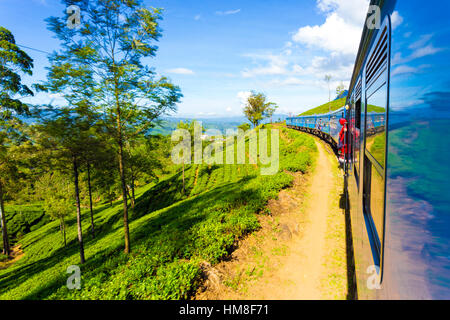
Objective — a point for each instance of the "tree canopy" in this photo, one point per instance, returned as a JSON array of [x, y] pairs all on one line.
[[258, 108]]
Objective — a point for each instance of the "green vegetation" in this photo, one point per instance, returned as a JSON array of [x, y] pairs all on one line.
[[336, 105], [325, 108], [14, 64], [173, 233], [377, 147], [87, 182], [257, 108], [372, 108], [22, 219], [244, 127]]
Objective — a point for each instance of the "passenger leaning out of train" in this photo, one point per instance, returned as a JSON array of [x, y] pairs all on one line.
[[342, 147]]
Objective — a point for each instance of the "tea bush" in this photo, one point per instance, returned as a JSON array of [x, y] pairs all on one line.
[[171, 233]]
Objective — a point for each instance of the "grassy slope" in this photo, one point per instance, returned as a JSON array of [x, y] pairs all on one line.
[[336, 105], [171, 234], [22, 219]]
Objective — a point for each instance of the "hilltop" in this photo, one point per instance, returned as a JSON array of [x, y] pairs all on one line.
[[336, 105], [325, 108]]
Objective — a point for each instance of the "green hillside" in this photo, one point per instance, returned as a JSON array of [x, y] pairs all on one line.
[[336, 105], [22, 219], [172, 233], [325, 108]]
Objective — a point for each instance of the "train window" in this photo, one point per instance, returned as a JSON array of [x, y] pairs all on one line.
[[356, 138], [373, 205], [358, 114], [374, 163], [375, 138], [376, 125]]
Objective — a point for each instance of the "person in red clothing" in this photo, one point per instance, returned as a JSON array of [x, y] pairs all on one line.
[[342, 146]]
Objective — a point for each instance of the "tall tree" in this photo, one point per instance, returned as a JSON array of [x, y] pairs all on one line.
[[74, 81], [13, 63], [258, 108], [113, 38], [327, 79], [190, 127], [142, 161], [66, 131], [270, 111], [54, 190]]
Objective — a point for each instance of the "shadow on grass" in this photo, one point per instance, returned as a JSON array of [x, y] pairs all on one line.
[[179, 219]]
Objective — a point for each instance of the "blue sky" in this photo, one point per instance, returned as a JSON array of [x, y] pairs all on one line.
[[218, 51]]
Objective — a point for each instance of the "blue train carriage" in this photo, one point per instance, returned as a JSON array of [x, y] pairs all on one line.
[[398, 162], [326, 126]]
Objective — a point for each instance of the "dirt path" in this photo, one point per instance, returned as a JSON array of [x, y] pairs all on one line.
[[16, 254], [299, 253], [304, 265]]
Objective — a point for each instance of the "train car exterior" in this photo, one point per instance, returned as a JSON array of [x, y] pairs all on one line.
[[326, 126], [397, 169]]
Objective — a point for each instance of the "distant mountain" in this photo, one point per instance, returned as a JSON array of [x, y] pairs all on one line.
[[220, 123]]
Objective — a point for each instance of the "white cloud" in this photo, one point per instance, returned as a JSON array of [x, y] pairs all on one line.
[[351, 11], [243, 97], [291, 81], [197, 17], [425, 51], [403, 70], [228, 109], [291, 73], [342, 29], [276, 65], [339, 66], [299, 66], [181, 71], [420, 48], [335, 35], [229, 12], [423, 40], [396, 19]]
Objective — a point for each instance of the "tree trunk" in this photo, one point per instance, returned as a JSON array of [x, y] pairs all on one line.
[[133, 198], [62, 227], [77, 198], [184, 190], [90, 199], [64, 232], [6, 248], [122, 171]]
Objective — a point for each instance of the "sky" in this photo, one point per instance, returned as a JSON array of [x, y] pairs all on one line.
[[217, 52]]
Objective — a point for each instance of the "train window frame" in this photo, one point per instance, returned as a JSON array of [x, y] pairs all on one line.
[[357, 139], [375, 88], [379, 80], [358, 113]]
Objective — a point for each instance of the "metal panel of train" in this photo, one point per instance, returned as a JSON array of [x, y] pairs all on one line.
[[397, 168]]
